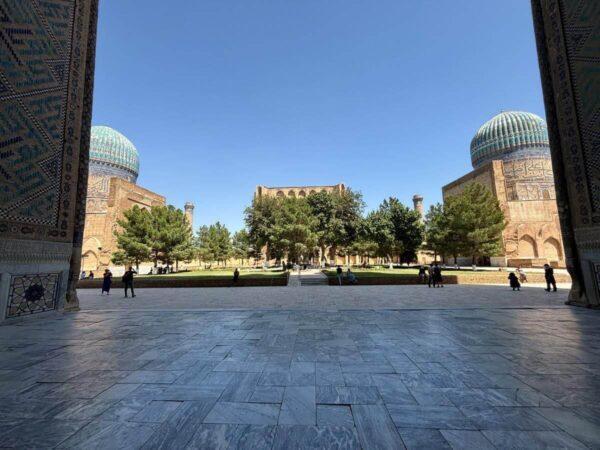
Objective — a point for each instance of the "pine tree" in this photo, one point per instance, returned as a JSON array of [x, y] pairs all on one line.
[[132, 237], [475, 221], [241, 246]]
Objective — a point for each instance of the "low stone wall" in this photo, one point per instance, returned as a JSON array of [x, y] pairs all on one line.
[[371, 281], [466, 277], [186, 282], [482, 277]]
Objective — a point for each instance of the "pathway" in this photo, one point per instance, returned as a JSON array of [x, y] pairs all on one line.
[[317, 367]]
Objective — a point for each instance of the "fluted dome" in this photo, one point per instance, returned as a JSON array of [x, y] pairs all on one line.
[[113, 154], [510, 135]]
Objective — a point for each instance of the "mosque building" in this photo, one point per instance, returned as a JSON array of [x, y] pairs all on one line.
[[112, 189], [510, 155], [296, 191]]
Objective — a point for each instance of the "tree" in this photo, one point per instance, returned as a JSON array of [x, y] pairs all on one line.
[[159, 234], [337, 217], [260, 220], [363, 248], [378, 228], [132, 238], [242, 248], [171, 235], [475, 221], [214, 243], [436, 230], [396, 229], [293, 232]]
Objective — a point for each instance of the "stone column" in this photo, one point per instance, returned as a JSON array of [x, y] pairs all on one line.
[[45, 112], [567, 33]]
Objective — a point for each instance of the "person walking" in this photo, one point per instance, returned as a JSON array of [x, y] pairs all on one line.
[[430, 276], [236, 275], [422, 274], [339, 272], [106, 282], [437, 276], [514, 281], [550, 280], [522, 275], [128, 281]]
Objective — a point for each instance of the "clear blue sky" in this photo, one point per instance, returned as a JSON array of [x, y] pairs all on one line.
[[221, 95]]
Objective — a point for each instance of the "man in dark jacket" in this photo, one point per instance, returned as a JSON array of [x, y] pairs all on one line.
[[549, 275], [128, 281], [339, 272]]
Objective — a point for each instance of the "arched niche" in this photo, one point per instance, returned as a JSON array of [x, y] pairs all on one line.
[[552, 249], [527, 247]]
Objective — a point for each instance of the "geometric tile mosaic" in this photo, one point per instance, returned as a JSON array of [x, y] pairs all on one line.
[[30, 294], [35, 55]]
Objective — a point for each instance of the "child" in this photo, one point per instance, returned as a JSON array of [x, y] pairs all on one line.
[[514, 282]]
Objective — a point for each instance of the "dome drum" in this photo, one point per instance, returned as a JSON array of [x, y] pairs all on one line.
[[112, 154]]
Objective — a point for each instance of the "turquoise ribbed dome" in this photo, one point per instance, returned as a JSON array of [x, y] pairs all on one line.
[[113, 154], [510, 135]]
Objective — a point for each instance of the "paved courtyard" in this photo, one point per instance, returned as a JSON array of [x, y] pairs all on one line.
[[310, 367]]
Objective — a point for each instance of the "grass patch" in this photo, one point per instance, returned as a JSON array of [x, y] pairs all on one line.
[[214, 275], [377, 273]]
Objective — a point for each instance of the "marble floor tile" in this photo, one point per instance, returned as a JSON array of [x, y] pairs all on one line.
[[267, 394], [244, 413], [375, 427], [240, 388], [334, 415], [40, 433], [438, 417], [114, 435], [532, 439], [415, 439], [152, 376], [181, 393], [577, 426], [239, 366], [329, 374], [347, 395], [156, 411], [467, 440], [508, 418], [181, 426], [298, 407], [303, 436]]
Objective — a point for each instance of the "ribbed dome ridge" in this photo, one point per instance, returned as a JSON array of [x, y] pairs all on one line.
[[509, 135], [113, 154]]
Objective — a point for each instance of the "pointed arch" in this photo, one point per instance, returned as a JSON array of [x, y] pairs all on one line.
[[527, 247], [552, 249]]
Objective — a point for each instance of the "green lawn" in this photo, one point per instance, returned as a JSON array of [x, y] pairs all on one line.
[[376, 273], [216, 274]]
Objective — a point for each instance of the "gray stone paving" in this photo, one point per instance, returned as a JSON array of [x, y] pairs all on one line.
[[481, 377]]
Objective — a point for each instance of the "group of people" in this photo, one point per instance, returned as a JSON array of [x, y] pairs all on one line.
[[515, 279], [127, 280], [352, 279], [431, 275]]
